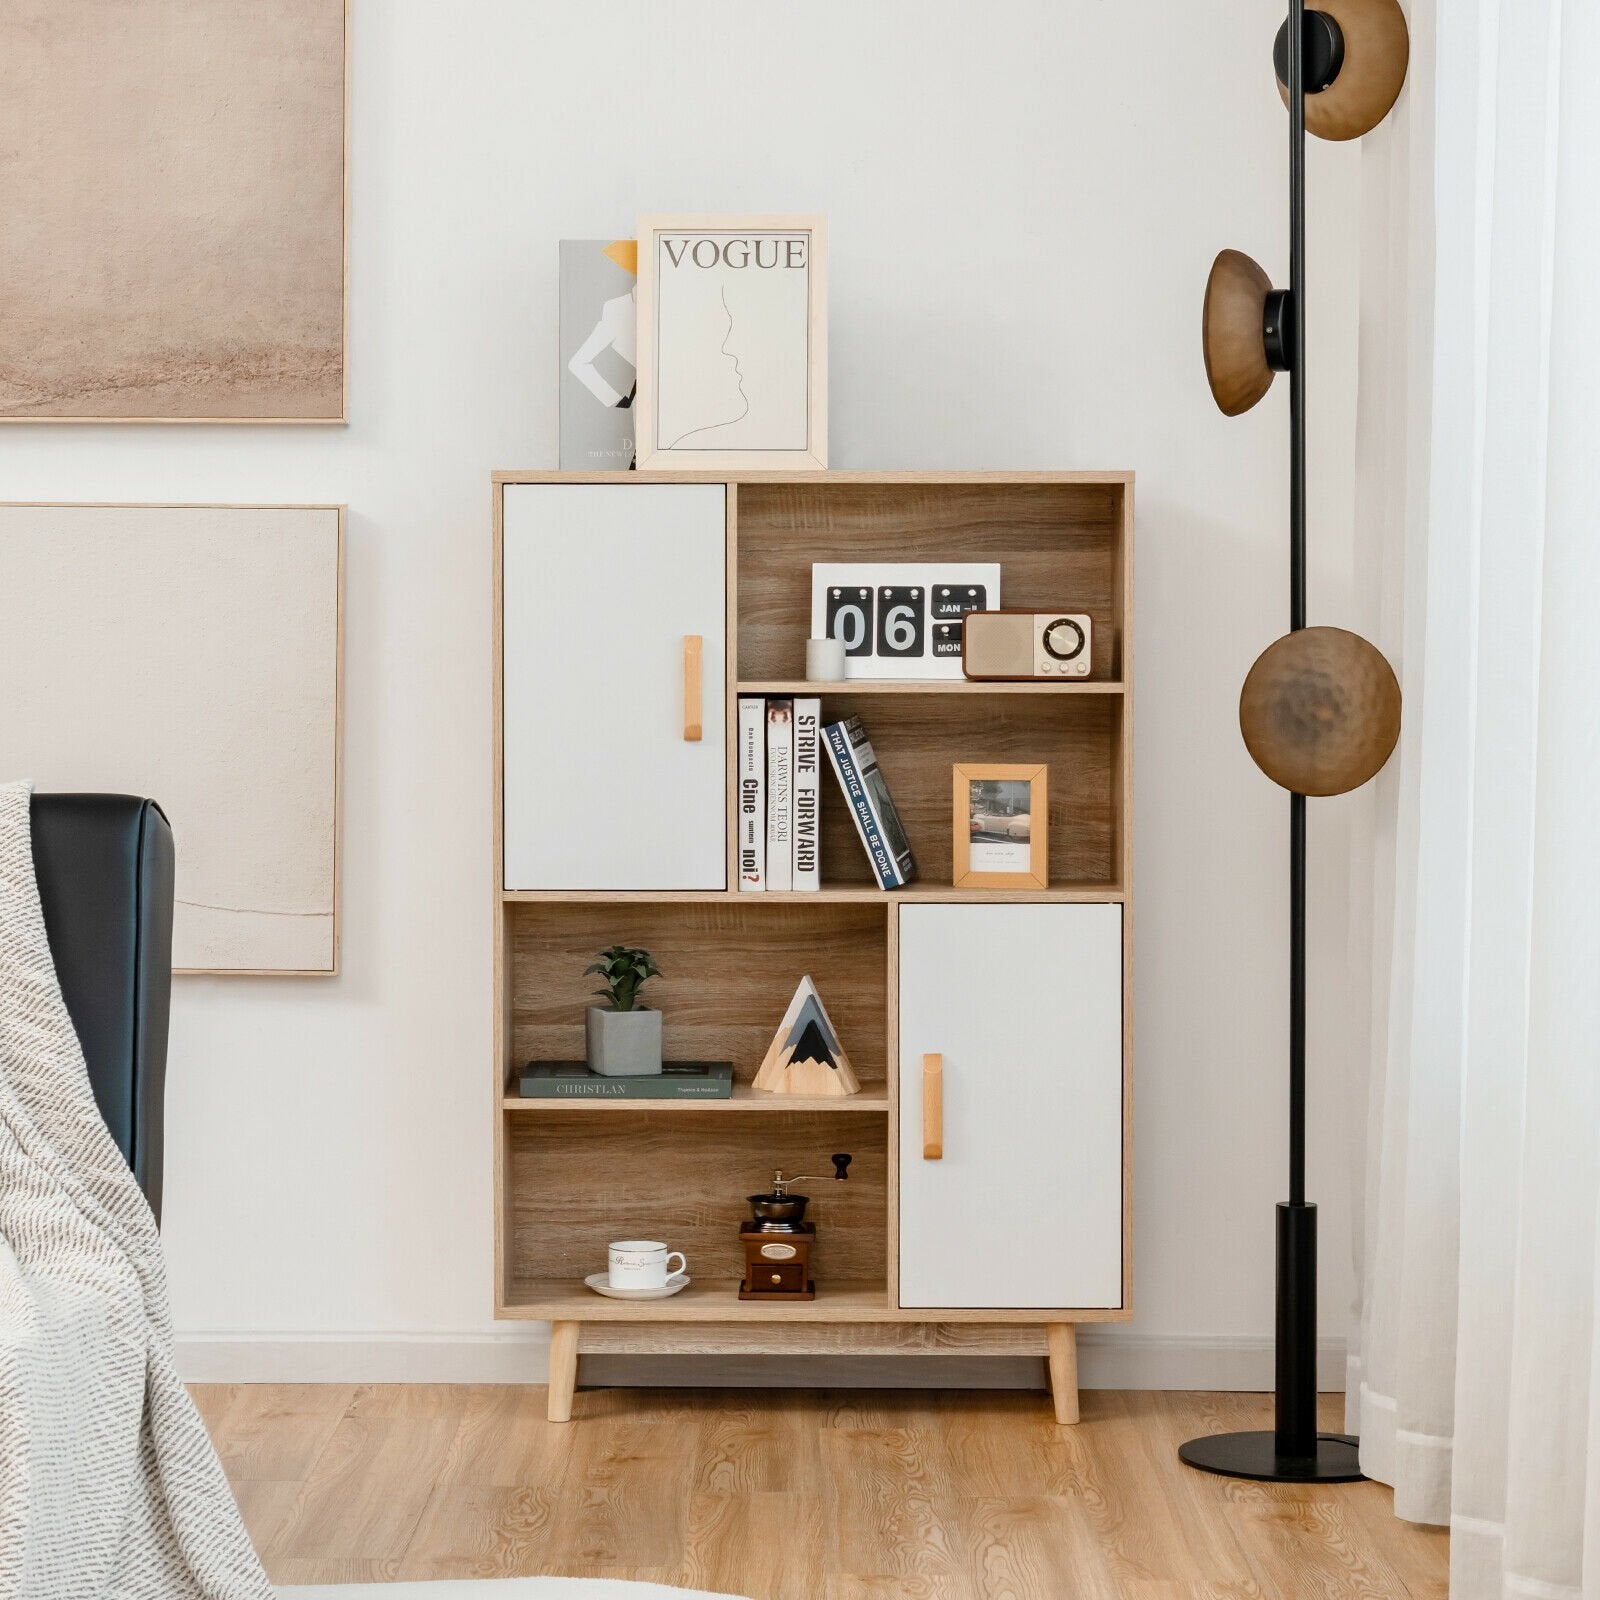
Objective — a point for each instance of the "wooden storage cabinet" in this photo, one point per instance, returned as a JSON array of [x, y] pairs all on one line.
[[612, 827]]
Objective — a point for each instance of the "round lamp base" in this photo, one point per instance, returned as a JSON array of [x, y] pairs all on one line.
[[1255, 1455]]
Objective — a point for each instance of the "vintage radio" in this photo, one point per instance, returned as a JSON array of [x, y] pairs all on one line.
[[1006, 645]]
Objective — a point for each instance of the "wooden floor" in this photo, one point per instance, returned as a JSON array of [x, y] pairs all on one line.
[[784, 1495]]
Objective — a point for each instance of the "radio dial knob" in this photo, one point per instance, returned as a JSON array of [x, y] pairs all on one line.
[[1063, 639]]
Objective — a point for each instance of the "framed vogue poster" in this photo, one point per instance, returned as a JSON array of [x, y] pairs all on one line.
[[732, 342]]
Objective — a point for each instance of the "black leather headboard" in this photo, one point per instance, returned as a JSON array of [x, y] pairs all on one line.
[[105, 869]]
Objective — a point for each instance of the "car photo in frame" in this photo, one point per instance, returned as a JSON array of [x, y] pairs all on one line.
[[732, 343], [1001, 820]]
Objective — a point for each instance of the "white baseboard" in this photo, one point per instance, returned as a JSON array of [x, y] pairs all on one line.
[[1109, 1358], [1122, 1358], [518, 1355]]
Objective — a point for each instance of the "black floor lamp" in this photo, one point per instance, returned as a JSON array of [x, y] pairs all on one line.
[[1320, 709]]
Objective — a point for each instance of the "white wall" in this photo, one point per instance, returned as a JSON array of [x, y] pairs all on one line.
[[1024, 201]]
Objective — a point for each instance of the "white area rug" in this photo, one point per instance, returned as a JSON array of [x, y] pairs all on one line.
[[503, 1589]]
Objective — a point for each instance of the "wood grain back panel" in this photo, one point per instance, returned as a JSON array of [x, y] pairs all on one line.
[[728, 973], [582, 1180], [1058, 545], [918, 738]]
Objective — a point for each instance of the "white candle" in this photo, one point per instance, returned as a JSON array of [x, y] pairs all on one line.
[[824, 661]]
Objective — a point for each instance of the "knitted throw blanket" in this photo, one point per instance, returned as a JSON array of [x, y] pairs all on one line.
[[109, 1487]]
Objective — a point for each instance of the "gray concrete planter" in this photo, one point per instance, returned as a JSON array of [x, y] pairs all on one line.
[[624, 1044]]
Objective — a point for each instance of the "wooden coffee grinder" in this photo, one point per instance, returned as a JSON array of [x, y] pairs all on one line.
[[777, 1240]]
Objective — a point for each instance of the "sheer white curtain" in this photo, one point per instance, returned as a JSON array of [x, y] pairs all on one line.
[[1475, 1383]]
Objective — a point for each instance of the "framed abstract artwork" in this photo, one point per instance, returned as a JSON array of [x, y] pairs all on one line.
[[192, 654], [172, 243], [732, 342]]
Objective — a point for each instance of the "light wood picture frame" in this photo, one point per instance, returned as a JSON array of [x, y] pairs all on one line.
[[194, 654], [209, 285], [732, 342], [1001, 835]]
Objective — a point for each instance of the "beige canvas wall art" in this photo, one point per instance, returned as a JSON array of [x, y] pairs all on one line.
[[191, 654], [172, 237]]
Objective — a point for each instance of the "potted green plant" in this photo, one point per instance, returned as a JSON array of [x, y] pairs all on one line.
[[624, 1036]]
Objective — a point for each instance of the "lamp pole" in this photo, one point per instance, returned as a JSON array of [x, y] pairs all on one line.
[[1294, 1451], [1295, 1399]]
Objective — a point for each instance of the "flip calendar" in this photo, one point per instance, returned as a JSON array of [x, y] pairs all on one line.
[[900, 619]]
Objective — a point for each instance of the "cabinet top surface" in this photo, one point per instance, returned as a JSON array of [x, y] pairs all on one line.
[[814, 477]]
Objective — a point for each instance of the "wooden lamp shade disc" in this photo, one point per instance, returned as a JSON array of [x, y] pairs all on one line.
[[1320, 711], [1377, 48], [1232, 332]]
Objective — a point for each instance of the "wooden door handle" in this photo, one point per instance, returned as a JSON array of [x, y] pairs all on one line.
[[693, 696], [933, 1108]]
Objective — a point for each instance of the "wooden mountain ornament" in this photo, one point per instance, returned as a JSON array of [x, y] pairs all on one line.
[[805, 1056]]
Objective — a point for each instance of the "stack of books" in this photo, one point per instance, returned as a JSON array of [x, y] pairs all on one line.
[[781, 744], [677, 1080]]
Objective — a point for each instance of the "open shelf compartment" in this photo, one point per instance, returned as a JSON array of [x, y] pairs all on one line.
[[919, 739], [576, 1183], [729, 967], [1059, 546]]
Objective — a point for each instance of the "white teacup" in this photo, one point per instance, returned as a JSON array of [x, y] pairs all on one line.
[[643, 1264]]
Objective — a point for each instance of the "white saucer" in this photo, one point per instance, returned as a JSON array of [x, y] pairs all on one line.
[[600, 1283]]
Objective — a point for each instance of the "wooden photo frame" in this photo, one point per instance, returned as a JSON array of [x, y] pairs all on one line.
[[732, 343], [1013, 850]]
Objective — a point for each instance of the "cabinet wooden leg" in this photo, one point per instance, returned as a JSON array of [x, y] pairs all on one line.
[[1063, 1347], [563, 1369]]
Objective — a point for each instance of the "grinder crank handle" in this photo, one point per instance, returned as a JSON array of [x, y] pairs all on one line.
[[780, 1183]]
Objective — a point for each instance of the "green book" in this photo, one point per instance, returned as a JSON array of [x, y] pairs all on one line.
[[677, 1080]]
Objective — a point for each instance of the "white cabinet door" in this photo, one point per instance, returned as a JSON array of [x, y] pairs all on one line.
[[603, 583], [1024, 1005]]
